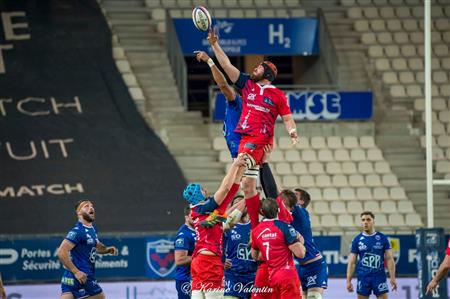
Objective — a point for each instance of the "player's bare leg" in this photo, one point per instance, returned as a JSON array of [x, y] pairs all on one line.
[[362, 297], [67, 296], [249, 184], [383, 296]]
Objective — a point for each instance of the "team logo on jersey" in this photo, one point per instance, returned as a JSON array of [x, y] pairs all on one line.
[[160, 257], [377, 237], [395, 248], [268, 101]]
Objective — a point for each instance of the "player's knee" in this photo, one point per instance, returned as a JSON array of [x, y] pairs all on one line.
[[314, 295]]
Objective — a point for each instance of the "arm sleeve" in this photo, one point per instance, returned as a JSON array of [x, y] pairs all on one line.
[[73, 236], [253, 238], [354, 248], [268, 181], [228, 198], [387, 244], [283, 106], [283, 213], [207, 207], [253, 206], [447, 252], [181, 242], [289, 233], [242, 80]]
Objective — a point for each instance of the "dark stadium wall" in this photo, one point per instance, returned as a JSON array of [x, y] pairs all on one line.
[[69, 130]]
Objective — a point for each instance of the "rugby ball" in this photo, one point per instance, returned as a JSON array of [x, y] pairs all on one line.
[[201, 18]]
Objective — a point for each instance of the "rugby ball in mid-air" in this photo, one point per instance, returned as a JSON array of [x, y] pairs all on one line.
[[201, 18]]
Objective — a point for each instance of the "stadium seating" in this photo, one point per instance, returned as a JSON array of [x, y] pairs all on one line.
[[394, 36]]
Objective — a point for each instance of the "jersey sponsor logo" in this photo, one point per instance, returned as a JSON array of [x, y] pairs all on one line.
[[68, 281], [395, 248], [362, 246], [259, 108], [267, 234], [293, 232], [93, 255], [235, 235], [370, 260], [378, 246], [268, 101], [383, 287], [71, 235], [311, 280], [160, 257], [244, 253], [251, 96], [179, 242], [250, 145]]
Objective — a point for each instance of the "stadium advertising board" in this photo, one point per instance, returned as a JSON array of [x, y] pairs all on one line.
[[407, 289], [153, 257], [318, 105], [277, 36]]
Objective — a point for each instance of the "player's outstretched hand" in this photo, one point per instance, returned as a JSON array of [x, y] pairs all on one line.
[[240, 160], [431, 286], [350, 286], [112, 250], [227, 264], [294, 137], [201, 56], [393, 284], [81, 277], [212, 36]]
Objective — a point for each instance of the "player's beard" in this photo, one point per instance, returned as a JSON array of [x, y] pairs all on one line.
[[256, 78], [88, 217]]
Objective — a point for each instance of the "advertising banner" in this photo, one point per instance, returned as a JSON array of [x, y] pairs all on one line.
[[319, 105], [153, 257], [277, 36]]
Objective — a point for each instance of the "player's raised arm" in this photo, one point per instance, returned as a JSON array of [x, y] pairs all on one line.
[[233, 176], [350, 269], [219, 78], [225, 63], [63, 254]]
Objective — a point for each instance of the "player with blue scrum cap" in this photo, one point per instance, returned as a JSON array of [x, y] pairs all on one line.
[[373, 249], [184, 247], [77, 253]]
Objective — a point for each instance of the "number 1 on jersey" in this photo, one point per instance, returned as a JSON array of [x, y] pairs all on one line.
[[266, 244]]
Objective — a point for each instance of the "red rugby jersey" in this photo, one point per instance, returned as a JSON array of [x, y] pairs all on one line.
[[261, 105], [272, 238], [210, 238]]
